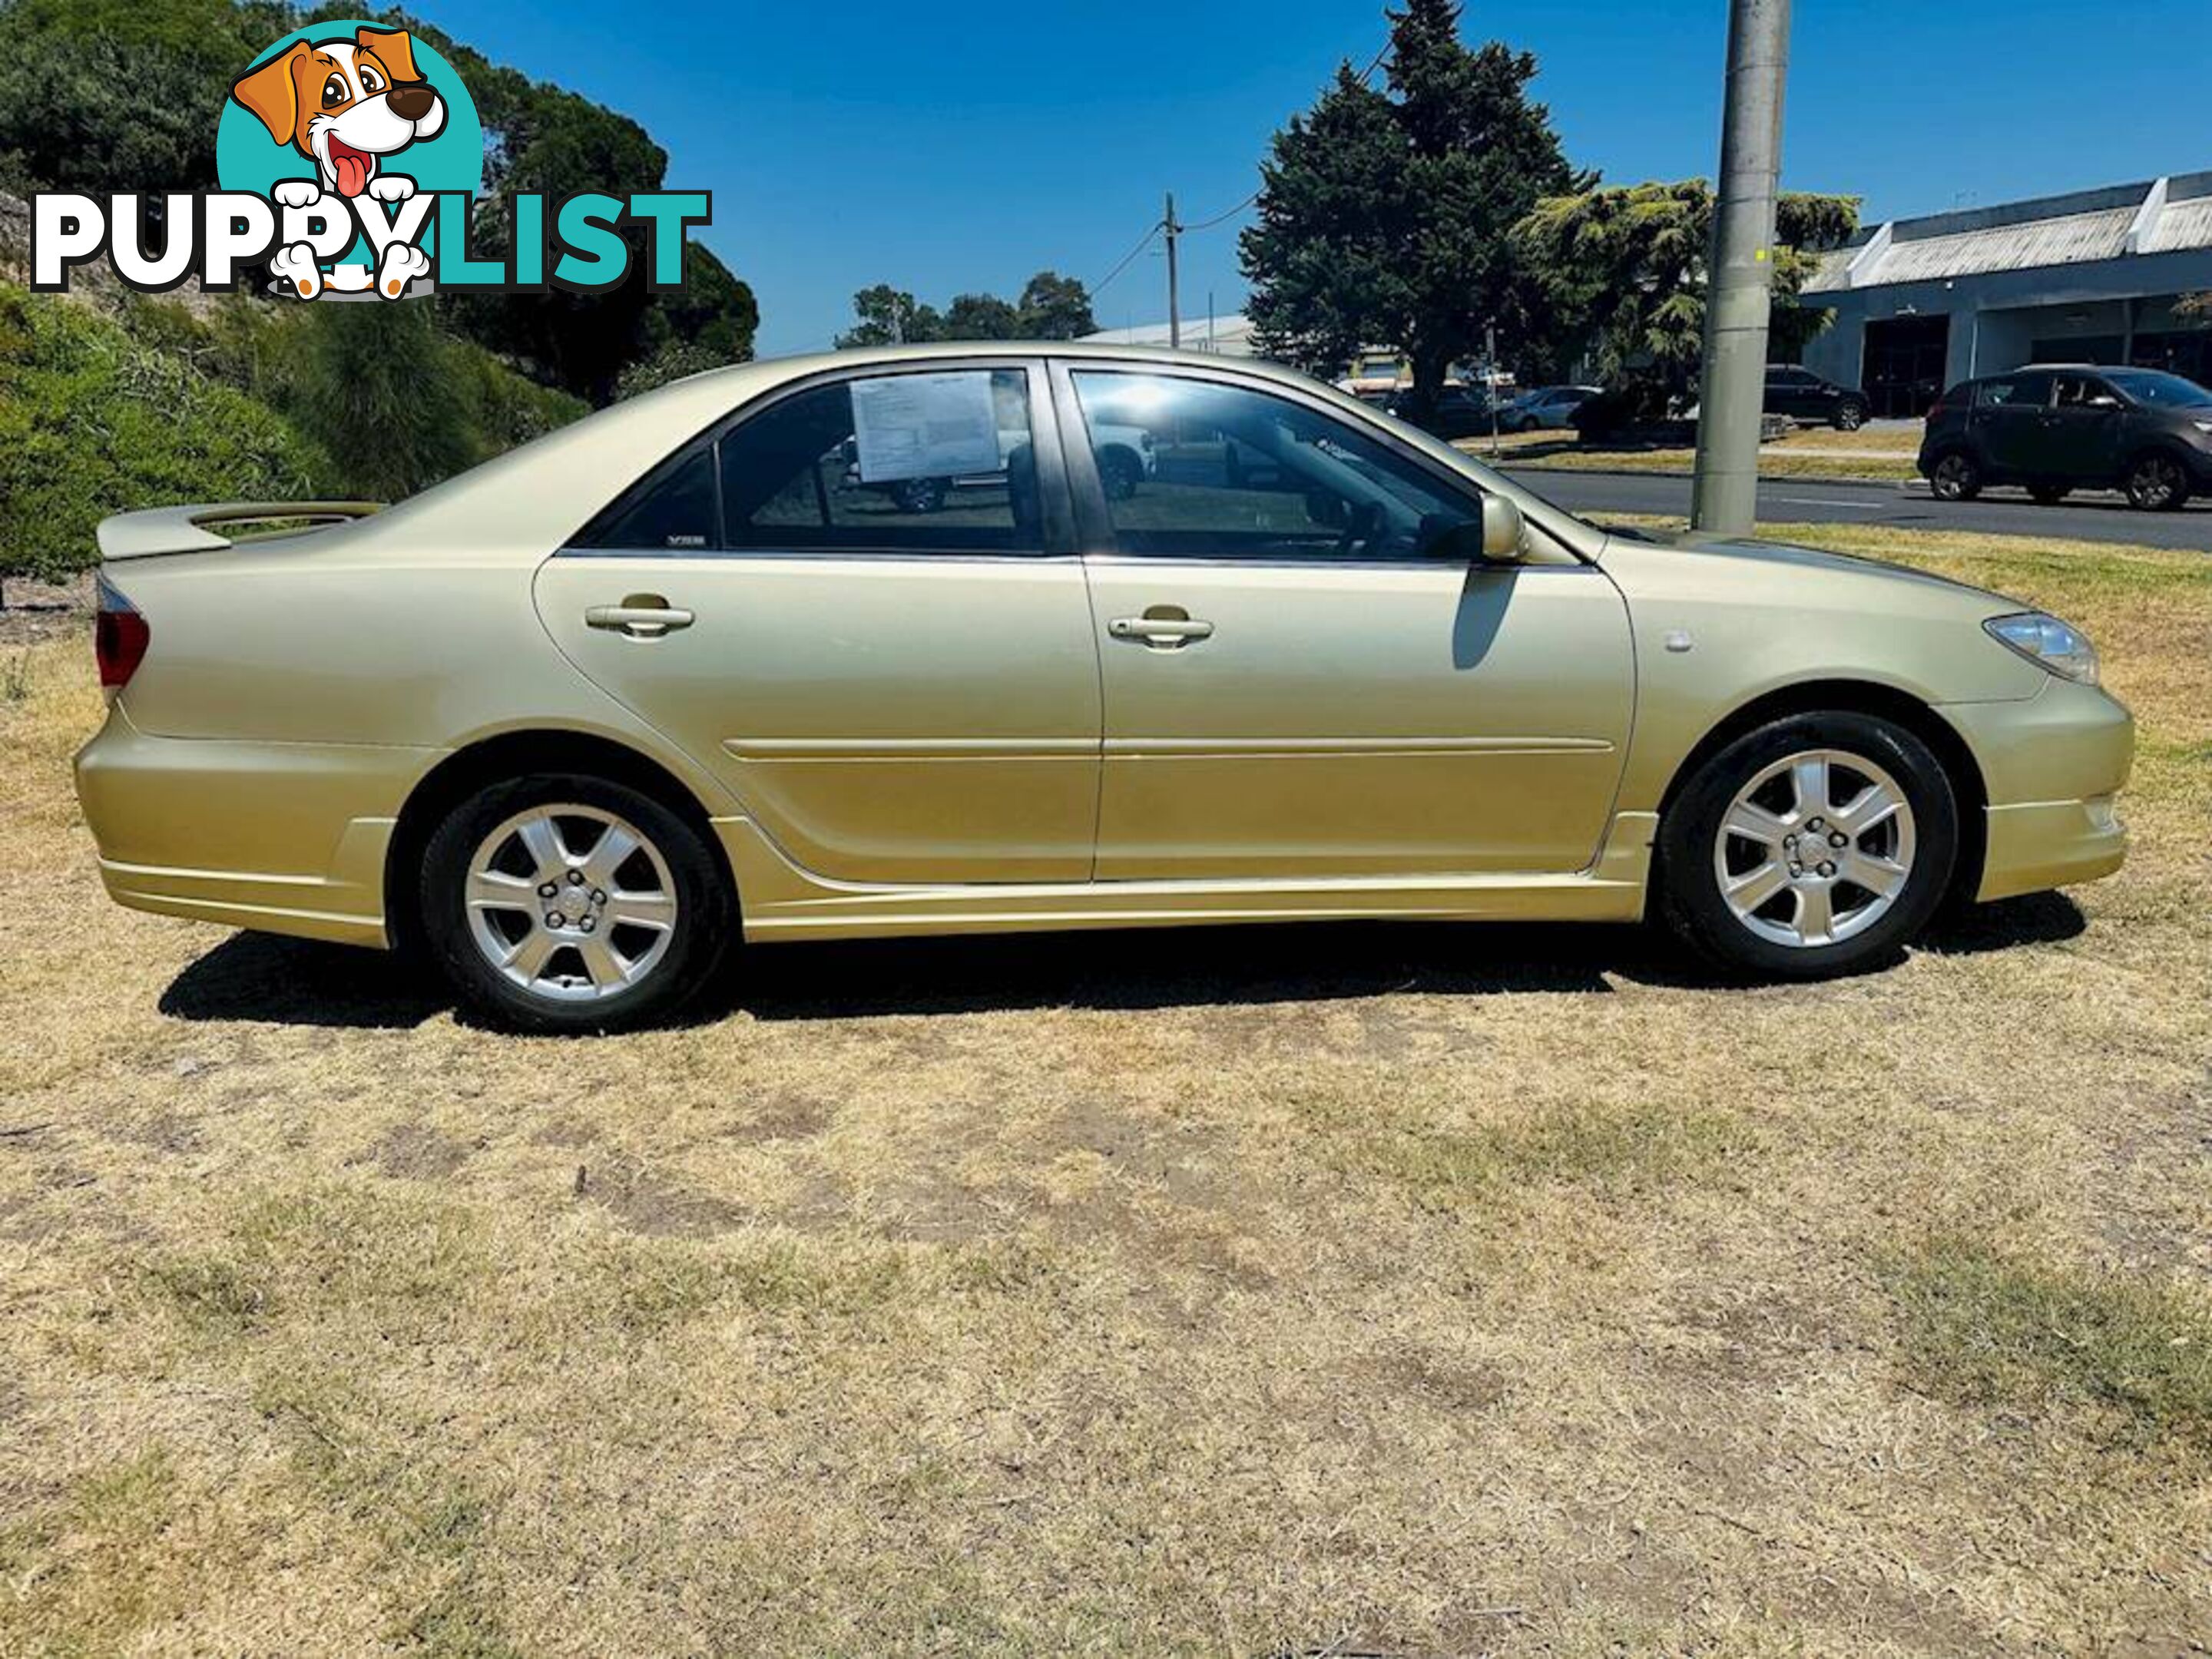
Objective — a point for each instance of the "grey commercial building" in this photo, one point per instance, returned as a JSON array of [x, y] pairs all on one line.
[[2095, 277]]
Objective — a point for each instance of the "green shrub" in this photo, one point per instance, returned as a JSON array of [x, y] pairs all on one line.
[[94, 421], [505, 408]]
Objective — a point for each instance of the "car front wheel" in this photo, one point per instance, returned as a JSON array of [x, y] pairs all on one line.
[[2157, 484], [566, 903], [1812, 847], [1849, 415]]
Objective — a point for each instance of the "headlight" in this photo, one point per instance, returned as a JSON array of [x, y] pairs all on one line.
[[2049, 641], [2201, 426]]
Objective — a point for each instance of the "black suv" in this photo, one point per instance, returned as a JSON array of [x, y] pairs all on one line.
[[2061, 429], [1803, 394]]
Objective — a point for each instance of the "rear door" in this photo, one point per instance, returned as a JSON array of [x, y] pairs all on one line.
[[1294, 686], [859, 605], [2007, 423]]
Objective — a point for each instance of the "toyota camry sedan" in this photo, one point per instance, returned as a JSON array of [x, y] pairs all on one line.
[[697, 669]]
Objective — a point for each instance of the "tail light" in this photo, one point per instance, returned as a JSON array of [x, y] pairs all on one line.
[[119, 639]]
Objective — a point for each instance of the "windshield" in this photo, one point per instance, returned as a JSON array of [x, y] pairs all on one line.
[[2159, 389]]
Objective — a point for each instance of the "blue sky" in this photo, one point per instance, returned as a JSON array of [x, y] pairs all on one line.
[[965, 148]]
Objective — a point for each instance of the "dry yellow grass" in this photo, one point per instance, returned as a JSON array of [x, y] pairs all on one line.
[[1431, 1291]]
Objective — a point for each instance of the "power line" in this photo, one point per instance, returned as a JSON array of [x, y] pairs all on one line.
[[1143, 242], [1366, 75]]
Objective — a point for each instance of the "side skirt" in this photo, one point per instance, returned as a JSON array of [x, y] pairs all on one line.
[[782, 902]]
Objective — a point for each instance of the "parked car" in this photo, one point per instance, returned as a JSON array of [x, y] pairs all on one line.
[[1545, 406], [1804, 396], [2060, 429], [573, 724], [1458, 412]]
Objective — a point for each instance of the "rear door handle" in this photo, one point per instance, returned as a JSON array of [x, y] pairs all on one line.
[[642, 617], [1166, 631]]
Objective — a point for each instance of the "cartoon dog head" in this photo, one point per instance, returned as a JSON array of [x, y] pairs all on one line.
[[344, 103]]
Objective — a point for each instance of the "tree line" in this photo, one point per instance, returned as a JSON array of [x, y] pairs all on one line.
[[1440, 207], [1051, 307]]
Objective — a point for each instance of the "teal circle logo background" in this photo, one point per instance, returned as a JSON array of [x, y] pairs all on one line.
[[248, 159]]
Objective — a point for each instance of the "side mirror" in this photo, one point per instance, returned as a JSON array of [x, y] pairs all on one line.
[[1502, 531], [1495, 539]]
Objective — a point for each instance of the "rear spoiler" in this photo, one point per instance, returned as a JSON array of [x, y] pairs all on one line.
[[196, 529]]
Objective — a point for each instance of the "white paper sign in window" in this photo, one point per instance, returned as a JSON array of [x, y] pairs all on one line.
[[925, 426]]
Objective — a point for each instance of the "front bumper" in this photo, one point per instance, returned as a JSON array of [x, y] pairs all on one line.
[[2052, 765], [284, 837]]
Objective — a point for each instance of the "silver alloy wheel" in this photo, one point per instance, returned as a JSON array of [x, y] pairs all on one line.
[[571, 902], [1814, 849], [1952, 477]]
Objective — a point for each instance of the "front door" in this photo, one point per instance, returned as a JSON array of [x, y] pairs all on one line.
[[860, 607], [1296, 686], [2078, 440]]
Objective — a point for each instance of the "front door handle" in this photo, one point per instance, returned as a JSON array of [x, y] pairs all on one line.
[[1165, 627], [639, 616]]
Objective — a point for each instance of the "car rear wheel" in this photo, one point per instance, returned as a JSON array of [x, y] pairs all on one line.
[[559, 904], [2046, 493], [1850, 415], [1119, 474], [2157, 484], [1813, 846], [919, 495], [1955, 478]]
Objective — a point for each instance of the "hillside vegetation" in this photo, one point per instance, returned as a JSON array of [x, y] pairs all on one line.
[[109, 400]]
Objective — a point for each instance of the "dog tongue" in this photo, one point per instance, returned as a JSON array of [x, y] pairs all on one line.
[[352, 170]]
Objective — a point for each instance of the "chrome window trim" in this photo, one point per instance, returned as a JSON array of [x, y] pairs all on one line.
[[817, 555]]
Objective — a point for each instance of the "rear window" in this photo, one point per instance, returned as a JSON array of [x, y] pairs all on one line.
[[914, 461], [2030, 391]]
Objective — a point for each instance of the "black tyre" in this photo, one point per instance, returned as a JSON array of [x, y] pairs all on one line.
[[1814, 846], [2046, 493], [558, 903], [1956, 476], [919, 495], [1850, 415], [2157, 483], [1119, 474]]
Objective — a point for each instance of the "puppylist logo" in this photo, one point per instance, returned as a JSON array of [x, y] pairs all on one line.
[[350, 155]]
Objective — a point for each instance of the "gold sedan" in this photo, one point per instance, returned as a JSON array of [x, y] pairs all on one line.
[[938, 640]]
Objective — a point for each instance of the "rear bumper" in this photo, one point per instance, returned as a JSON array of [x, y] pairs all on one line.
[[2052, 766], [284, 838]]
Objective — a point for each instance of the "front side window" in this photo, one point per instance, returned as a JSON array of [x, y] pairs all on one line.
[[1224, 472], [2078, 391]]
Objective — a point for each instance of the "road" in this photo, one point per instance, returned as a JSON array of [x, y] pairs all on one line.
[[1908, 506]]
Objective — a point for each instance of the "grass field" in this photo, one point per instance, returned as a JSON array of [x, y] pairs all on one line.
[[1425, 1290], [1805, 452]]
